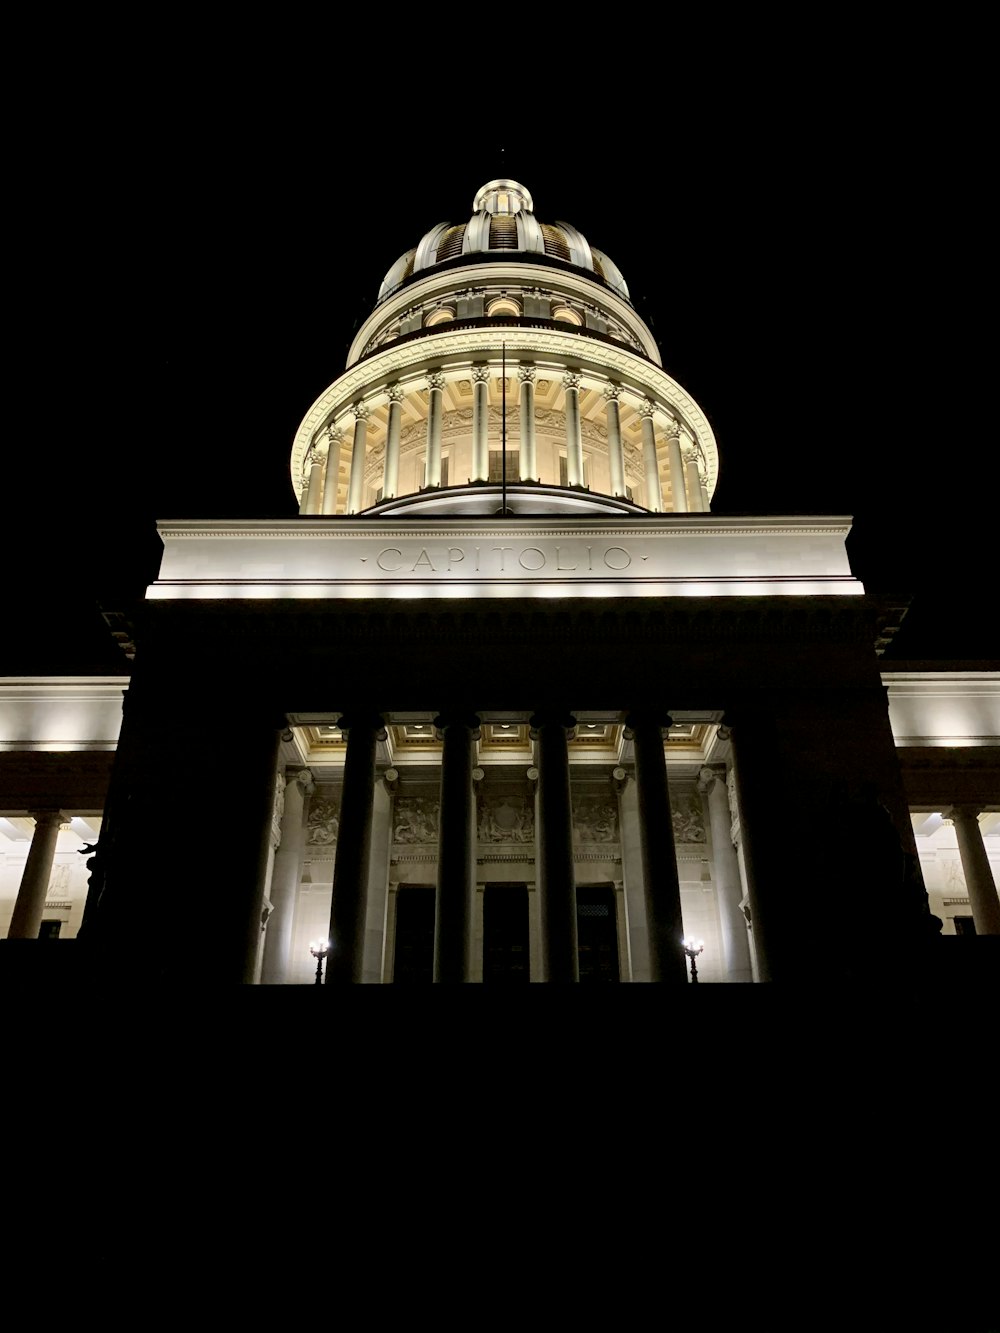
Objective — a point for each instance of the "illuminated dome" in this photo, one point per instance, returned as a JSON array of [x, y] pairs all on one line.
[[503, 366], [503, 220]]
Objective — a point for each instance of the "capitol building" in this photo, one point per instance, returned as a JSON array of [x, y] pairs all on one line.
[[506, 702]]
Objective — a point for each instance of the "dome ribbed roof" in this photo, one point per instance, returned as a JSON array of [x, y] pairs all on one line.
[[503, 221]]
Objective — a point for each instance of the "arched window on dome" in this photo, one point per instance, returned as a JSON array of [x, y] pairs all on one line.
[[503, 305], [444, 314], [567, 314]]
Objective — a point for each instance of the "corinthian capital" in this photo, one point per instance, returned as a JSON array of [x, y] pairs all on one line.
[[691, 455], [612, 393], [481, 374], [435, 380], [646, 409], [526, 374], [672, 431], [361, 411], [395, 394], [571, 379]]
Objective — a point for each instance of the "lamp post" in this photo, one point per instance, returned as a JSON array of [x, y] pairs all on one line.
[[693, 948], [319, 950]]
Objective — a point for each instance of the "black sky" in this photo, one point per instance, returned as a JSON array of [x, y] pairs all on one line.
[[207, 246]]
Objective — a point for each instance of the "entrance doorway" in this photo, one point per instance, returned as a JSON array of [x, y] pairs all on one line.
[[505, 933], [597, 933], [413, 959]]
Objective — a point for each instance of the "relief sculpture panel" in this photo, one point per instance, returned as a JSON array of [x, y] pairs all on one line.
[[595, 819], [323, 820], [415, 819], [506, 819], [688, 819]]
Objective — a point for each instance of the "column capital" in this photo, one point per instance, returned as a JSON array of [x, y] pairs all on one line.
[[709, 775], [646, 409], [954, 812], [481, 374], [612, 393], [435, 380], [317, 452], [394, 393], [691, 455], [548, 718], [333, 434], [42, 817], [361, 411], [304, 778], [571, 379], [459, 719], [363, 720], [526, 374], [640, 719], [672, 430]]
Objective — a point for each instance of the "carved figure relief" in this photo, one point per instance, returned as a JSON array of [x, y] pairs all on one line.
[[688, 819], [506, 819], [594, 820], [323, 822], [416, 819]]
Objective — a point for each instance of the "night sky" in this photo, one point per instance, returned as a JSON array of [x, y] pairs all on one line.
[[202, 267]]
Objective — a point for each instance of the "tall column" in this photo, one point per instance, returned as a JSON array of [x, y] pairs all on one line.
[[726, 874], [616, 459], [432, 467], [456, 884], [673, 434], [659, 860], [345, 962], [693, 480], [390, 479], [650, 466], [30, 905], [285, 880], [528, 467], [480, 423], [332, 480], [574, 439], [554, 832], [356, 485], [976, 867], [314, 487]]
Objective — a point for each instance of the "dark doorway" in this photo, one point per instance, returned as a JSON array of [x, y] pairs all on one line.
[[413, 958], [597, 932], [505, 933], [49, 930]]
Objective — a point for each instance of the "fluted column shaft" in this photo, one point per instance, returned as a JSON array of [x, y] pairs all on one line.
[[456, 884], [390, 477], [432, 466], [527, 466], [616, 458], [332, 476], [574, 438], [480, 423], [983, 898], [659, 859], [285, 878], [30, 904], [676, 469], [345, 962], [650, 466], [312, 498], [555, 869], [726, 874], [356, 485], [693, 480]]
